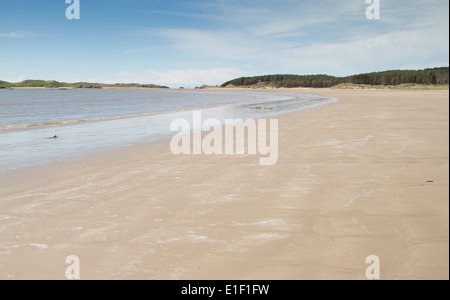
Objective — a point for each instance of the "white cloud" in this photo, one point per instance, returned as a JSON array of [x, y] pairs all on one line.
[[174, 78], [195, 77], [222, 44], [120, 77], [18, 35], [339, 39], [402, 49], [302, 16]]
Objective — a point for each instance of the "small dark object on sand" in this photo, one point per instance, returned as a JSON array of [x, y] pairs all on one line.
[[430, 181], [53, 138]]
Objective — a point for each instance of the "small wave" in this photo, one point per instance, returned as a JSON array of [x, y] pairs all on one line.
[[95, 119], [77, 121], [98, 119]]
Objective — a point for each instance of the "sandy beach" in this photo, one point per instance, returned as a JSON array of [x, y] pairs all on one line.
[[367, 175]]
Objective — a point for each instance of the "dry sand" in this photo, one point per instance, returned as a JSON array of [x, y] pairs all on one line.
[[353, 180]]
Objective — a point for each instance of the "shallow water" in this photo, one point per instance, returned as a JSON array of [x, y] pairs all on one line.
[[90, 120]]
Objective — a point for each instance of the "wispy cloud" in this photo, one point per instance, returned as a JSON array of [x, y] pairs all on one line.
[[380, 52], [174, 78], [320, 37], [225, 44], [18, 35]]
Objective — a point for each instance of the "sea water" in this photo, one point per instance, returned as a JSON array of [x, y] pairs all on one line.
[[91, 120]]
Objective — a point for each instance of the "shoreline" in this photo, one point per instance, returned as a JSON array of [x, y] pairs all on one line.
[[62, 128], [72, 88], [94, 154], [351, 181], [250, 89]]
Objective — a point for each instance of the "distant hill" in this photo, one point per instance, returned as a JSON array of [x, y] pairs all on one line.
[[79, 85], [435, 76]]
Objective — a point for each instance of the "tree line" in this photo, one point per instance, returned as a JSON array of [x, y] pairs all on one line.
[[435, 76]]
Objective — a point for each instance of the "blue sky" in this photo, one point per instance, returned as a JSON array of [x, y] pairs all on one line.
[[192, 42]]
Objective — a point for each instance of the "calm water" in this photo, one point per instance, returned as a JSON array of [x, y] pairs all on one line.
[[90, 120]]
